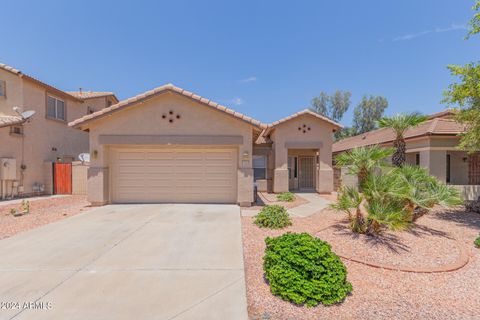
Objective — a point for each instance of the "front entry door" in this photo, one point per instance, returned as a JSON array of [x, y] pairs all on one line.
[[306, 172]]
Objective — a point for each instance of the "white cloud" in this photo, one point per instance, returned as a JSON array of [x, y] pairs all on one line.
[[453, 27], [236, 101], [249, 79]]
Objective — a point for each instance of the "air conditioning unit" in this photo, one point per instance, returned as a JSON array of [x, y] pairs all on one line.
[[8, 169]]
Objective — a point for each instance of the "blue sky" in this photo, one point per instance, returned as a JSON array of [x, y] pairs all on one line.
[[266, 59]]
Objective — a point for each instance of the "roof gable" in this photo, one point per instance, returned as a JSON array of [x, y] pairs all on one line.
[[306, 112], [155, 92]]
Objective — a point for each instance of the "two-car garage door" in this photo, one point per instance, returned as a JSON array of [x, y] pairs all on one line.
[[195, 175]]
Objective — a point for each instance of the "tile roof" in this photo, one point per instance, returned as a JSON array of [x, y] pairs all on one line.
[[442, 114], [91, 94], [71, 94], [6, 121], [152, 93], [435, 126], [35, 80]]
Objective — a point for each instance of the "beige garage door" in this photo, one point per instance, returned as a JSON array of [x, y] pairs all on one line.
[[174, 175]]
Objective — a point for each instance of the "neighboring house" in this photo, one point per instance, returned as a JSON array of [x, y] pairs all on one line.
[[433, 145], [171, 145], [45, 137]]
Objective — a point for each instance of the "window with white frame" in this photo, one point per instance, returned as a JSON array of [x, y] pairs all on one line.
[[55, 108], [259, 167], [3, 88]]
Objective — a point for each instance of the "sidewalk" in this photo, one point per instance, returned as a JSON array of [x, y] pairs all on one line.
[[316, 202]]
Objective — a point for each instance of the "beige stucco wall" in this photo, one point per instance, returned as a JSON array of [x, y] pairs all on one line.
[[286, 135], [79, 178], [458, 167], [146, 119], [43, 139]]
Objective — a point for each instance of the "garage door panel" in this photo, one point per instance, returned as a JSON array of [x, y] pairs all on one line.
[[131, 156], [174, 175]]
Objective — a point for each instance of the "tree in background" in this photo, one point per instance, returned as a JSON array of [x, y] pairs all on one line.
[[475, 22], [367, 113], [334, 106], [400, 123], [466, 93]]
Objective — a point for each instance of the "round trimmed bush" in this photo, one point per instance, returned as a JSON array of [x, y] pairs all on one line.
[[303, 269], [286, 197], [273, 217]]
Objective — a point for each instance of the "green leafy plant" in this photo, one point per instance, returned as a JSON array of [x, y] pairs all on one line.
[[393, 199], [286, 197], [363, 160], [25, 206], [273, 217], [303, 269], [477, 242]]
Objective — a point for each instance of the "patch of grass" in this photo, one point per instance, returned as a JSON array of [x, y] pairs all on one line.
[[273, 217], [477, 242], [286, 197], [303, 269]]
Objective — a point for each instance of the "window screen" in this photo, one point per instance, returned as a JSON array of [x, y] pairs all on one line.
[[55, 108]]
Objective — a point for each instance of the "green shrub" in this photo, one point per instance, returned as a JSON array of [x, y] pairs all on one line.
[[273, 217], [304, 270], [477, 242], [286, 197]]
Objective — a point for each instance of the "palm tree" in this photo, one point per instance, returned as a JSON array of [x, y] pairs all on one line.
[[420, 192], [363, 160], [400, 123]]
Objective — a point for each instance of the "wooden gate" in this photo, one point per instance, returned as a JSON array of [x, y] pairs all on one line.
[[62, 178]]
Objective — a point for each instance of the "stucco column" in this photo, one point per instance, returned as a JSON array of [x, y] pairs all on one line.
[[325, 171], [280, 173], [245, 175], [98, 174], [435, 161]]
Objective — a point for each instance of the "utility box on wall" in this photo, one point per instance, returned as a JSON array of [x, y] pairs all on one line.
[[8, 169]]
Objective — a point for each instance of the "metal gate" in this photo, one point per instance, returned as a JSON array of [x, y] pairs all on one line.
[[474, 169], [306, 172], [62, 178]]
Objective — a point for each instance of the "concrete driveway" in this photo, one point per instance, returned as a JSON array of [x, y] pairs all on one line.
[[165, 261]]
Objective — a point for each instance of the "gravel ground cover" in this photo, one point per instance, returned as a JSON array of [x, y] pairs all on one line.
[[380, 293], [42, 211]]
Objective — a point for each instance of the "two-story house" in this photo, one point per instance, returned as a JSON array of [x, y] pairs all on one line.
[[34, 140]]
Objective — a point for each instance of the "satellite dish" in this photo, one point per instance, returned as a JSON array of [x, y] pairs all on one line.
[[27, 114], [84, 157]]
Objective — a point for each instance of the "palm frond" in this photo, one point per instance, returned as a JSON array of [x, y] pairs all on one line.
[[400, 122]]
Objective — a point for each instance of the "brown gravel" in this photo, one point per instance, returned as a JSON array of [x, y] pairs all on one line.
[[271, 199], [42, 211], [380, 293]]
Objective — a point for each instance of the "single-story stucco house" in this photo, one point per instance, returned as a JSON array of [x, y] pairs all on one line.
[[171, 145], [433, 145]]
